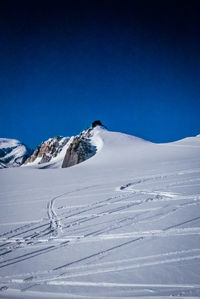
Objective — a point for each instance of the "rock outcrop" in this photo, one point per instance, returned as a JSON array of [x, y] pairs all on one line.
[[96, 123], [48, 150], [79, 150]]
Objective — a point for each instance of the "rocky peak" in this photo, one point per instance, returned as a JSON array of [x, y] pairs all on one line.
[[48, 150]]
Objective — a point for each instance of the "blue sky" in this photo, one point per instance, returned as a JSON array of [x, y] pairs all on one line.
[[133, 65]]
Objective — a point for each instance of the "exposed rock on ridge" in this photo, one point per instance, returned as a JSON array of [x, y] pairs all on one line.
[[79, 150], [48, 150]]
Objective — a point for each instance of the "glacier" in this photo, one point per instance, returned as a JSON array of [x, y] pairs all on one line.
[[123, 224]]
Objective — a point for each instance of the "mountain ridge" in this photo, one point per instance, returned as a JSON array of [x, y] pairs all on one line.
[[62, 152]]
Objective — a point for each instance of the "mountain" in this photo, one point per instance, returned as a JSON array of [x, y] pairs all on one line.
[[13, 153], [55, 152], [81, 148], [64, 152], [122, 224]]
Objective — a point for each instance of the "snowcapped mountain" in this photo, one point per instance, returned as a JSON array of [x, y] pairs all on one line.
[[64, 152], [13, 153]]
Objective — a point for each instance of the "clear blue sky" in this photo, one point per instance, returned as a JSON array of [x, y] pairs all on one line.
[[135, 65]]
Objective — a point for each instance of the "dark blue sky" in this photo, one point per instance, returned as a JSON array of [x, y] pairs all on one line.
[[135, 65]]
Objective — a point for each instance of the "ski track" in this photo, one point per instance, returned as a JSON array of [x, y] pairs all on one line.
[[133, 203]]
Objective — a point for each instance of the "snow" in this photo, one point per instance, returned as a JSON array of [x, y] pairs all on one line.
[[123, 224], [5, 142]]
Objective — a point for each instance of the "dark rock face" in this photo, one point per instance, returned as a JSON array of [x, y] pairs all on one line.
[[45, 158], [48, 149], [79, 150], [96, 123]]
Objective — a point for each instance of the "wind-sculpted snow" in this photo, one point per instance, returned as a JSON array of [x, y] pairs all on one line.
[[123, 224]]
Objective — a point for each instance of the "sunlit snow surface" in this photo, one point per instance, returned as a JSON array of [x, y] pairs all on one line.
[[123, 224]]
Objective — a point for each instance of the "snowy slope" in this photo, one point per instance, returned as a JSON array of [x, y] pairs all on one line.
[[12, 153], [123, 224]]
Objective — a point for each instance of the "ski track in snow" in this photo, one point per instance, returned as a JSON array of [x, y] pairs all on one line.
[[132, 204]]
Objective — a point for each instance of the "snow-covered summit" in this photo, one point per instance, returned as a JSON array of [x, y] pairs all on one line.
[[96, 146], [118, 150], [64, 152], [13, 153]]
